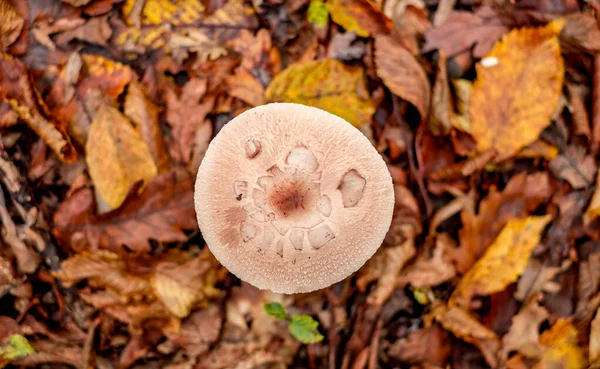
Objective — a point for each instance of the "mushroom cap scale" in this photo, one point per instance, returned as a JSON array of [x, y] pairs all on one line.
[[291, 198]]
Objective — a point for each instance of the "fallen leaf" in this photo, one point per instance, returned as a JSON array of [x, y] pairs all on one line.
[[581, 33], [593, 209], [402, 73], [503, 262], [524, 332], [181, 286], [77, 2], [12, 24], [186, 41], [562, 347], [186, 114], [156, 12], [594, 354], [521, 196], [431, 268], [574, 166], [199, 331], [95, 31], [359, 16], [513, 98], [464, 31], [466, 327], [106, 75], [346, 47], [430, 344], [327, 84], [160, 212], [145, 116], [17, 88], [245, 87], [117, 156], [536, 278], [461, 120], [440, 116]]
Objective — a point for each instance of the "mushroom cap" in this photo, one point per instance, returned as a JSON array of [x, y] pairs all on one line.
[[291, 198]]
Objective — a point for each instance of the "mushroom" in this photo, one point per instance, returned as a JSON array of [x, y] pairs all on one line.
[[291, 198]]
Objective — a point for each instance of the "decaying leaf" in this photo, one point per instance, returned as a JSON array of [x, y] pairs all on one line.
[[523, 335], [581, 33], [593, 209], [517, 87], [504, 260], [117, 156], [11, 26], [160, 212], [464, 31], [440, 117], [431, 268], [574, 166], [17, 88], [402, 73], [562, 349], [327, 84], [359, 16], [594, 354], [144, 114]]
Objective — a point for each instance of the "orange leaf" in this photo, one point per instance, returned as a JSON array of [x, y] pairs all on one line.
[[517, 88], [359, 16]]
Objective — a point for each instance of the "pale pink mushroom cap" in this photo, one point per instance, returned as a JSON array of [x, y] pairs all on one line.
[[292, 199]]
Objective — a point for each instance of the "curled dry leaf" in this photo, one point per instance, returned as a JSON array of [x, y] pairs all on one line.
[[160, 212], [327, 84], [11, 26], [402, 73], [518, 85], [503, 262], [359, 16], [524, 332], [17, 88], [562, 349], [467, 327], [117, 156], [144, 114]]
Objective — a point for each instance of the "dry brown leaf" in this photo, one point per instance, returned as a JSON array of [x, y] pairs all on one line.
[[464, 31], [461, 120], [144, 114], [160, 212], [77, 2], [593, 209], [440, 116], [430, 344], [186, 114], [536, 278], [562, 348], [346, 47], [327, 84], [201, 329], [181, 286], [186, 41], [104, 269], [521, 196], [359, 16], [117, 156], [581, 33], [467, 327], [17, 88], [431, 270], [95, 31], [245, 87], [517, 88], [402, 73], [524, 332], [503, 262], [574, 166], [11, 26]]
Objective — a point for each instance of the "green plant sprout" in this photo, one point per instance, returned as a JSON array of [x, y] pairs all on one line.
[[303, 327]]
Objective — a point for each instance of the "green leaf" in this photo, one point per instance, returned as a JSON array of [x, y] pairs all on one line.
[[276, 310], [304, 328], [318, 13], [17, 348]]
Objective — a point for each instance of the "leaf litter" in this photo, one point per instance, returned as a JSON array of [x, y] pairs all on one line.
[[485, 114]]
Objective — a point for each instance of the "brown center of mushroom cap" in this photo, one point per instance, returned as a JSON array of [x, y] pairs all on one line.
[[292, 195]]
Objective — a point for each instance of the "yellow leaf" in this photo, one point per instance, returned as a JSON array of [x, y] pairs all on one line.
[[327, 84], [175, 12], [593, 209], [562, 347], [594, 352], [117, 156], [104, 74], [503, 262], [517, 88], [11, 26], [359, 16]]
